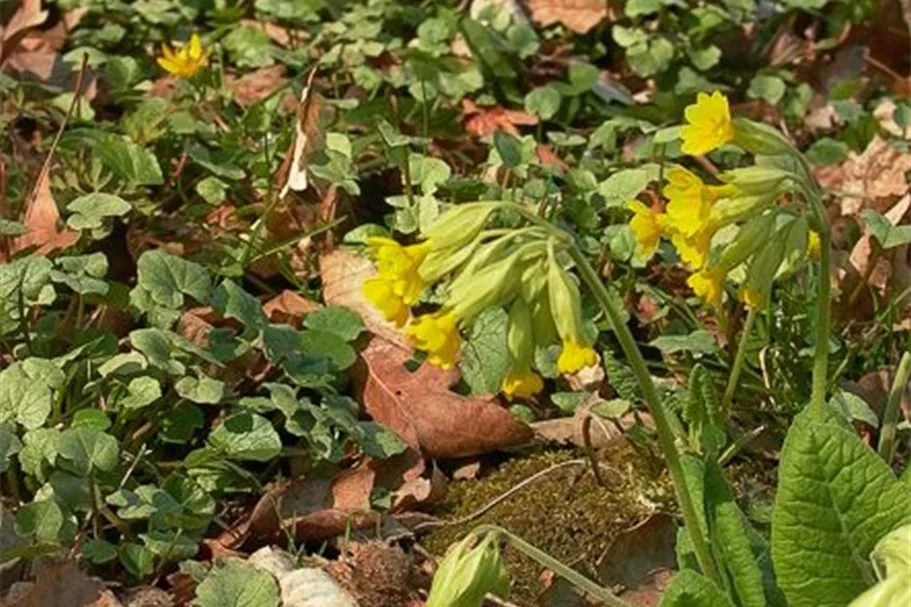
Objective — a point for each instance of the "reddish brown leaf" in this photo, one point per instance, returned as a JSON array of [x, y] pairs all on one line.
[[258, 85], [425, 413], [28, 16], [578, 15], [288, 307], [549, 159], [484, 121], [59, 584], [871, 179], [42, 219]]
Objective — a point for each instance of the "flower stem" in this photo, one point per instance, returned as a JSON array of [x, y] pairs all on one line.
[[574, 577], [821, 352], [659, 414], [739, 359], [890, 416]]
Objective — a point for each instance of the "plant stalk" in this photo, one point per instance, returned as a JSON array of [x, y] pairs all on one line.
[[739, 360], [890, 416], [823, 312], [574, 577]]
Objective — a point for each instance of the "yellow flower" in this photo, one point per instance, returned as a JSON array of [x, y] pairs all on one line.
[[574, 357], [381, 293], [708, 285], [690, 200], [438, 335], [521, 384], [751, 297], [813, 244], [709, 124], [646, 225], [399, 265], [694, 250], [185, 61]]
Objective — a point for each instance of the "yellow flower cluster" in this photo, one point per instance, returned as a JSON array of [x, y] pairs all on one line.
[[519, 270], [186, 60], [696, 211]]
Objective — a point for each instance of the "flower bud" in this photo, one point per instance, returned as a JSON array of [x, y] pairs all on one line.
[[440, 262], [756, 179], [471, 294], [565, 301], [467, 574], [460, 225], [795, 236], [520, 339], [740, 208], [752, 236], [759, 138], [761, 272], [893, 554]]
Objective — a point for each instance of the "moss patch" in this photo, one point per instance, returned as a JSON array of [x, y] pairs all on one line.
[[566, 513]]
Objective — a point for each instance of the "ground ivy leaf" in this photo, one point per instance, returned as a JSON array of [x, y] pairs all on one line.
[[158, 349], [130, 162], [697, 342], [836, 499], [167, 278], [377, 441], [246, 436], [10, 445], [485, 357], [329, 346], [202, 390], [85, 449], [230, 301], [41, 521], [170, 546], [99, 551], [336, 319], [90, 211], [38, 451], [181, 422], [142, 392], [233, 583], [137, 559], [27, 390]]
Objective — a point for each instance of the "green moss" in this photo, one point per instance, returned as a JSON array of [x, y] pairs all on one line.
[[566, 513]]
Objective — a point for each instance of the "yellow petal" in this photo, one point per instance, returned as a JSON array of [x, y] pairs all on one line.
[[194, 48]]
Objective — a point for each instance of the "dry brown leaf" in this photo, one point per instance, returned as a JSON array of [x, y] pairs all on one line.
[[425, 413], [292, 175], [256, 86], [59, 584], [483, 121], [288, 307], [28, 16], [871, 179], [378, 575], [578, 15], [548, 158], [885, 115], [640, 562], [862, 255], [42, 220]]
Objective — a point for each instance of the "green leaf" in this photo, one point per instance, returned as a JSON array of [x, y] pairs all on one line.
[[705, 58], [888, 235], [621, 378], [93, 418], [768, 88], [729, 530], [230, 301], [41, 521], [690, 589], [99, 551], [854, 408], [125, 363], [82, 273], [233, 583], [90, 211], [836, 498], [827, 151], [26, 279], [703, 414], [167, 278], [246, 436], [158, 349], [336, 319], [170, 546], [213, 190], [327, 345], [378, 442], [138, 560], [27, 390], [84, 449], [10, 445], [544, 102], [698, 342], [623, 186], [636, 8], [141, 392], [508, 148], [485, 356], [136, 165], [39, 451], [181, 422], [202, 390]]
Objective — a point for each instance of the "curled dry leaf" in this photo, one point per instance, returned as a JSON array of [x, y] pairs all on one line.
[[484, 121], [578, 15], [870, 179], [256, 86], [43, 222], [28, 16], [425, 413], [289, 307]]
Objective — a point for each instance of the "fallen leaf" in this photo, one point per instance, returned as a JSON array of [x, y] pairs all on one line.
[[870, 179], [425, 413], [28, 16], [484, 121], [578, 15], [862, 255], [549, 159], [378, 574], [885, 115], [308, 137], [43, 222], [568, 430], [289, 307], [640, 562], [256, 86], [107, 599], [59, 584]]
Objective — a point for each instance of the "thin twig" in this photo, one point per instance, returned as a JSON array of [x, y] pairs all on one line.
[[501, 498], [589, 449]]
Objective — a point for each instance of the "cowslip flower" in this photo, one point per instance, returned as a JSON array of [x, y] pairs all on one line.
[[400, 265], [575, 356], [566, 307], [751, 298], [186, 60], [438, 335], [381, 293], [813, 244], [521, 384], [709, 124], [694, 250], [690, 200], [708, 285], [521, 381], [646, 226]]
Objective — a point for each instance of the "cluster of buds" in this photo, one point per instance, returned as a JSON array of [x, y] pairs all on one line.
[[471, 569], [521, 270], [772, 240]]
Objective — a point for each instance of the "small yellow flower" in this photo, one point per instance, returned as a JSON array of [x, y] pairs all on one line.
[[521, 384], [646, 225], [438, 335], [690, 200], [813, 244], [185, 61], [399, 265], [751, 298], [381, 293], [574, 357], [708, 285], [709, 124], [694, 250]]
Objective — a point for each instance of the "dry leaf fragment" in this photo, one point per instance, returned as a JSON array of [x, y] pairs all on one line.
[[425, 413], [27, 17], [42, 220], [578, 15], [59, 584], [307, 138], [288, 308], [484, 121], [869, 179], [256, 86]]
